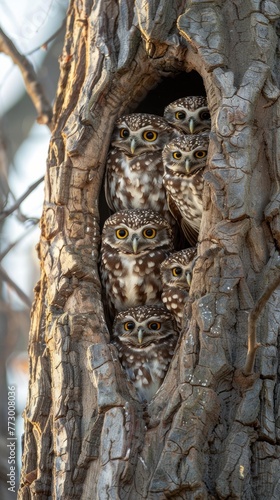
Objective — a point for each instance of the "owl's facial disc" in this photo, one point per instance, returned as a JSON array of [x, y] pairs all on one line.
[[192, 122], [141, 335], [180, 279], [196, 162], [142, 242], [136, 241], [187, 163], [136, 335]]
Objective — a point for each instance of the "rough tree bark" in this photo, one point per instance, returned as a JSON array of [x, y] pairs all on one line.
[[212, 431]]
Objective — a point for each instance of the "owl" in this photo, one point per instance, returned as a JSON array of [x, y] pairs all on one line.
[[134, 243], [145, 337], [176, 276], [134, 167], [184, 161], [189, 114]]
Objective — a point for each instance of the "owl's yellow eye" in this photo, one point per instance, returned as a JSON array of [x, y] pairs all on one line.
[[180, 115], [177, 271], [122, 233], [129, 325], [149, 233], [205, 115], [149, 135], [200, 154], [154, 325], [177, 155], [124, 133]]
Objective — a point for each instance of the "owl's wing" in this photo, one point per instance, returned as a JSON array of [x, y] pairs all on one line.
[[190, 233], [107, 190]]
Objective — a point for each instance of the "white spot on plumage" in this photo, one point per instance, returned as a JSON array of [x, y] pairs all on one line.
[[184, 188], [133, 283], [151, 361], [129, 180]]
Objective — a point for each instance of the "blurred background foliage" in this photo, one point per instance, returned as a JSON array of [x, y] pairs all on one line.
[[37, 31]]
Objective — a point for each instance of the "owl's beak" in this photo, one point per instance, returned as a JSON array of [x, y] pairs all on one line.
[[135, 240], [133, 146], [189, 278], [188, 165], [191, 125], [140, 335]]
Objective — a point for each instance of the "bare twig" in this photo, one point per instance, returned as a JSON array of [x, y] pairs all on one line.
[[252, 326], [33, 87], [50, 39], [16, 205], [15, 287]]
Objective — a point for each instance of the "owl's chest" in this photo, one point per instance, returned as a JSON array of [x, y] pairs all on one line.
[[137, 269], [136, 182], [141, 175], [186, 192], [133, 280], [147, 367], [120, 164], [174, 300]]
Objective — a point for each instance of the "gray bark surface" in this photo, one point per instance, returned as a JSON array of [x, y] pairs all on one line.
[[212, 431]]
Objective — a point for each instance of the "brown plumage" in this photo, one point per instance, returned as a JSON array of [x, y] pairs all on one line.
[[184, 161], [134, 167], [145, 337], [176, 276], [189, 114], [134, 243]]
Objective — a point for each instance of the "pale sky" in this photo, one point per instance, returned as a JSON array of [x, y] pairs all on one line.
[[29, 25]]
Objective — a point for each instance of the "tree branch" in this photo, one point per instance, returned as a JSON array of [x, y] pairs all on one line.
[[33, 87], [16, 205], [50, 39], [14, 243], [15, 287], [252, 326]]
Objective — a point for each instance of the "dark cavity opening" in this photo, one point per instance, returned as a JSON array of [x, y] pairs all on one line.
[[170, 89]]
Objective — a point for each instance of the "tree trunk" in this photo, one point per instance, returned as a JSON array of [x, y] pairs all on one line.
[[212, 431]]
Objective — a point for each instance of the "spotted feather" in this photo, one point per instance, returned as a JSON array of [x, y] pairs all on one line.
[[146, 338]]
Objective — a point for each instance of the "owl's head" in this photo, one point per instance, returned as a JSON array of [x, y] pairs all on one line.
[[189, 114], [140, 133], [137, 231], [143, 325], [176, 270], [186, 155]]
